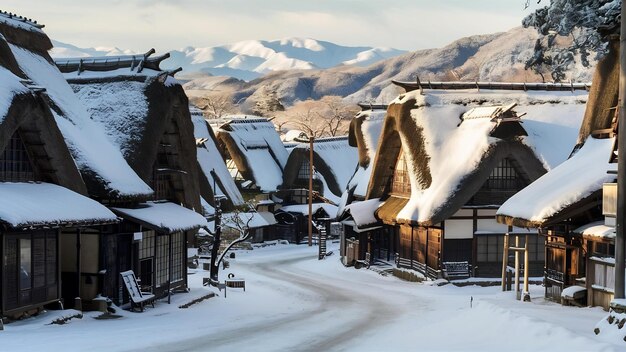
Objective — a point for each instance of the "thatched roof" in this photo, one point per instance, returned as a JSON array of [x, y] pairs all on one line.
[[601, 112], [212, 166], [24, 110], [334, 160], [576, 185], [106, 173], [569, 189], [452, 140], [143, 112], [43, 205], [255, 146], [364, 134], [24, 32], [135, 63]]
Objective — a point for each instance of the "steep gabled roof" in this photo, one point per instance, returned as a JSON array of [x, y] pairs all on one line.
[[142, 111], [576, 185], [570, 185], [210, 159], [450, 154], [334, 160], [104, 170], [365, 131], [255, 146]]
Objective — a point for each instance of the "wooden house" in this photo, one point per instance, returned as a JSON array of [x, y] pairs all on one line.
[[217, 178], [364, 133], [334, 161], [42, 195], [254, 153], [293, 220], [454, 152], [565, 205], [144, 113]]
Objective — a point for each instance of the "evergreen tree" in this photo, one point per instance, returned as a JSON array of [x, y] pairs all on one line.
[[588, 23]]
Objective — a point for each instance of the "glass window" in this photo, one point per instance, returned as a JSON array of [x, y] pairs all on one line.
[[178, 245], [25, 264]]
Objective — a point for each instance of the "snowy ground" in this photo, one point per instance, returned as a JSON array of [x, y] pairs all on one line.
[[294, 302]]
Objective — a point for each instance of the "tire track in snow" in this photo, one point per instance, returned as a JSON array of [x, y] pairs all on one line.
[[365, 312]]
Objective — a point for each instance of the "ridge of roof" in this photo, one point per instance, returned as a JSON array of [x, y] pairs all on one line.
[[22, 19]]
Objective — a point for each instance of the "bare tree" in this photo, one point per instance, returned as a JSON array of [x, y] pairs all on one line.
[[337, 115], [329, 116], [238, 220], [215, 106]]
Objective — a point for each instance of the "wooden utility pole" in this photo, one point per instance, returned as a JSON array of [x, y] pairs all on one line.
[[311, 139], [526, 293], [505, 258], [621, 164], [213, 269]]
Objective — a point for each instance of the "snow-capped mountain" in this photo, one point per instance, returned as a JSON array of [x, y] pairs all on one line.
[[491, 57], [251, 59]]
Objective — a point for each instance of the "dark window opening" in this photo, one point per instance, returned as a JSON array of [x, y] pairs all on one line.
[[15, 163]]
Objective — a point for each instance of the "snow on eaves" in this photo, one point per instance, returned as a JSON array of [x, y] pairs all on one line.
[[19, 22], [90, 147], [259, 143], [303, 209], [121, 73], [10, 86], [578, 177], [454, 150], [210, 159], [371, 128], [341, 158], [164, 216], [45, 204]]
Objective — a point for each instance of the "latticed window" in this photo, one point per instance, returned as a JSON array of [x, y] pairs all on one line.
[[178, 263], [162, 187], [504, 177], [15, 164], [503, 182], [304, 173], [401, 183]]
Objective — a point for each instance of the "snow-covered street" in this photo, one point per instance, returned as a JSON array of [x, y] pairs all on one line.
[[293, 302]]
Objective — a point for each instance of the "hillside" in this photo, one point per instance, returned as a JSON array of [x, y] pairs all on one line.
[[492, 57]]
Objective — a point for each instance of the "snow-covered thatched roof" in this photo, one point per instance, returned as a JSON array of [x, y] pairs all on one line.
[[104, 169], [364, 134], [142, 110], [255, 146], [334, 161], [163, 216], [47, 205], [210, 159], [450, 156], [570, 183]]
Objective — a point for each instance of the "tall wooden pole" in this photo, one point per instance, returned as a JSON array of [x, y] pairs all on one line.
[[311, 139], [526, 293], [517, 293], [505, 259], [621, 165]]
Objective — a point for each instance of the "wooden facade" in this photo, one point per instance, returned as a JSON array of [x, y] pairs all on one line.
[[471, 235]]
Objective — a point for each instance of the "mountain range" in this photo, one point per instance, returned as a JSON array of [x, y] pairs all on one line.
[[250, 59], [498, 57]]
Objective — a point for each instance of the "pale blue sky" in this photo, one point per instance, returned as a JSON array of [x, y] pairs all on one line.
[[173, 24]]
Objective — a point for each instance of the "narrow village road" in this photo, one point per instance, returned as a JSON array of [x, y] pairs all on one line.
[[343, 313]]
